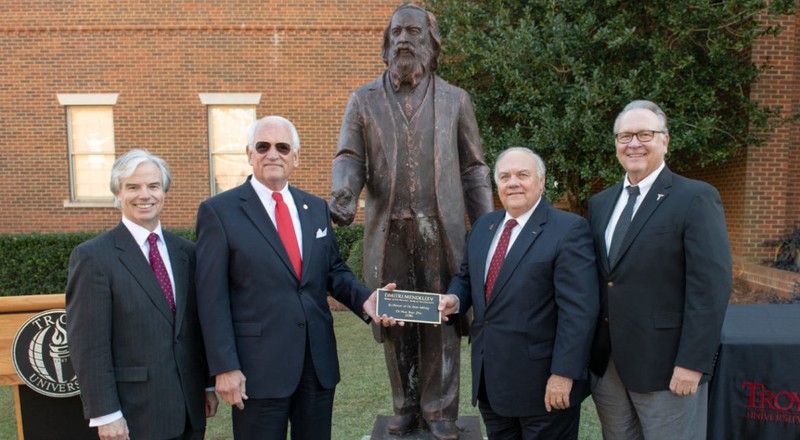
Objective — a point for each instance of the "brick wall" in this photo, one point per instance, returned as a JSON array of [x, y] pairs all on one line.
[[760, 186], [770, 190], [303, 57]]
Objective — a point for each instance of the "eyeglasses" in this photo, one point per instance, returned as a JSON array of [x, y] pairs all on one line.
[[643, 136], [282, 147]]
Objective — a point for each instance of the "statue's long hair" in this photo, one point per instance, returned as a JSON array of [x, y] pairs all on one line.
[[433, 32]]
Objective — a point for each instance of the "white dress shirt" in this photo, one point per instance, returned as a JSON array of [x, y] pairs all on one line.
[[265, 195], [644, 187]]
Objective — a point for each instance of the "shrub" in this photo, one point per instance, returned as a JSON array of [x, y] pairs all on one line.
[[356, 259], [36, 263], [33, 264], [347, 236]]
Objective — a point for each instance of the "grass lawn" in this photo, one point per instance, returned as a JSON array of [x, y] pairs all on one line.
[[362, 394]]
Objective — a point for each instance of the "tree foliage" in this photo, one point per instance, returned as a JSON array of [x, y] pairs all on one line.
[[552, 75]]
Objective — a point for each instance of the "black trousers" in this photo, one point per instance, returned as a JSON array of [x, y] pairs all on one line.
[[309, 409], [556, 425], [191, 434]]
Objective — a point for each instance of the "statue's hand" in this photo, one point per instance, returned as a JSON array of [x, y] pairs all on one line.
[[343, 207]]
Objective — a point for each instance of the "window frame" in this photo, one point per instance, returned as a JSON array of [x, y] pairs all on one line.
[[69, 100], [215, 100]]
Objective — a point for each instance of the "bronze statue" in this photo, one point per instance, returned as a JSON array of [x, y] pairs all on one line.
[[412, 140]]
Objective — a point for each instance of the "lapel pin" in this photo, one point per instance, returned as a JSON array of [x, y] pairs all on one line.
[[659, 197], [306, 206], [491, 226]]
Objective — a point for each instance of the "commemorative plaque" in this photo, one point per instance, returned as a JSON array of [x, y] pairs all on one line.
[[409, 306]]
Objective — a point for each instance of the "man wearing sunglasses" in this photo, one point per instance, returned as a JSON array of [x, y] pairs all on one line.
[[665, 278], [266, 259]]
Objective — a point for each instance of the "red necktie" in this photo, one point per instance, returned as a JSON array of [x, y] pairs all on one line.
[[498, 257], [286, 232], [160, 270]]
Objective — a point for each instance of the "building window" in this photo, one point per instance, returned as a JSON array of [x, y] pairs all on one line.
[[90, 138], [229, 118], [227, 132]]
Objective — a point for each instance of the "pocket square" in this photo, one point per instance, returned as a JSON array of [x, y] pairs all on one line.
[[322, 232]]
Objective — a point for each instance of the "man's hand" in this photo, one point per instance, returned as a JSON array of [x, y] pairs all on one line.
[[343, 207], [211, 404], [556, 394], [230, 386], [116, 430], [684, 381], [448, 304], [371, 306]]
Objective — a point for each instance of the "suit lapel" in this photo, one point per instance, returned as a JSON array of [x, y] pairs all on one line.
[[441, 138], [381, 108], [254, 210], [607, 209], [307, 227], [132, 258], [530, 232], [480, 251], [180, 272], [657, 194]]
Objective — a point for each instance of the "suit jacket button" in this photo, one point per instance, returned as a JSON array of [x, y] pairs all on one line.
[[610, 284], [301, 324], [605, 319]]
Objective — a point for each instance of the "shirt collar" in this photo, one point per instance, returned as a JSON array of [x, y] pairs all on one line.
[[522, 219], [140, 233], [262, 189], [646, 183]]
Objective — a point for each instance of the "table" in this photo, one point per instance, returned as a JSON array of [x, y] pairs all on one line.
[[755, 391]]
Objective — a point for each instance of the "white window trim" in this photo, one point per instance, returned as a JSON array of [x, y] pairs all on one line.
[[66, 99], [74, 99], [230, 98], [87, 204], [209, 99]]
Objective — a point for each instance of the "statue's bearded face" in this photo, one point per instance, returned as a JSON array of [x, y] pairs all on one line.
[[410, 48]]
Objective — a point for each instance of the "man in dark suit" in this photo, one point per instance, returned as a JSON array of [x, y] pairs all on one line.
[[529, 275], [665, 282], [132, 324], [410, 141], [266, 259]]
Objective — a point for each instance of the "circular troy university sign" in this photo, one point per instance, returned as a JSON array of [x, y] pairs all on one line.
[[41, 355]]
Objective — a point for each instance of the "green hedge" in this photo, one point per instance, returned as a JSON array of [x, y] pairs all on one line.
[[32, 264]]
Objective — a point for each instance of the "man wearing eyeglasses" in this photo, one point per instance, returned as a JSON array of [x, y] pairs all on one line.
[[266, 258], [665, 279]]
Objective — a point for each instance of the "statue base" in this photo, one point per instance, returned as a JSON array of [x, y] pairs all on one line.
[[469, 428]]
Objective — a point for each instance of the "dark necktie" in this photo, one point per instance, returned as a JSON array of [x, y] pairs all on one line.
[[160, 270], [498, 257], [623, 224], [286, 232]]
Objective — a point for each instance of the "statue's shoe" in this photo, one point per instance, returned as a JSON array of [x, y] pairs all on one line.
[[402, 424]]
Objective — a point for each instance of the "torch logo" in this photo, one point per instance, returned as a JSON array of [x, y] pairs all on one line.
[[41, 355]]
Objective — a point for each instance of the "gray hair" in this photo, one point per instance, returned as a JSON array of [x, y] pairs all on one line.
[[540, 168], [126, 165], [646, 105], [251, 133]]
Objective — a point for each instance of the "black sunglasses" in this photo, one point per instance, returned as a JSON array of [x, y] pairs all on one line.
[[283, 148]]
